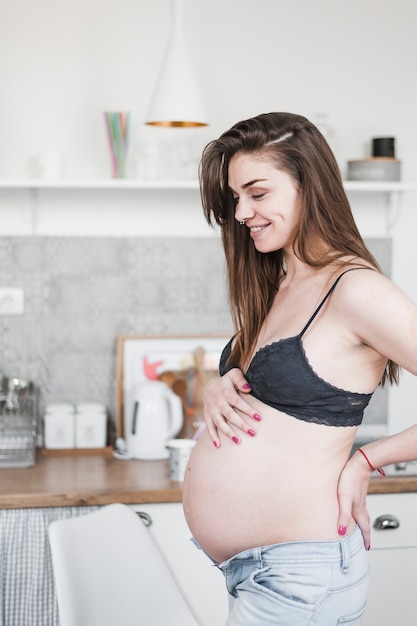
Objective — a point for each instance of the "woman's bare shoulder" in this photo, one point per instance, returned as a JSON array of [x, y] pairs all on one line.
[[362, 283], [379, 314]]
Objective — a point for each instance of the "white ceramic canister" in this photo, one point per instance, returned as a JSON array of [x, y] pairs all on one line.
[[90, 426], [59, 426]]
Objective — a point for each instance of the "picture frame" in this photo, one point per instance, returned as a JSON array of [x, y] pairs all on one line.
[[145, 357]]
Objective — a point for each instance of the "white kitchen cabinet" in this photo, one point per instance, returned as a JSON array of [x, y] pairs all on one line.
[[393, 561], [201, 582]]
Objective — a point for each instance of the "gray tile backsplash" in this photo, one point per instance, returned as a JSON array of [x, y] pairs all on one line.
[[81, 293]]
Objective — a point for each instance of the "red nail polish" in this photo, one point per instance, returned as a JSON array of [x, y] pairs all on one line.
[[257, 417], [216, 444], [251, 432], [369, 547], [246, 386], [342, 530], [235, 439]]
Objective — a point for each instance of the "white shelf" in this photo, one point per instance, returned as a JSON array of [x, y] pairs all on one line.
[[376, 187], [119, 184], [29, 205]]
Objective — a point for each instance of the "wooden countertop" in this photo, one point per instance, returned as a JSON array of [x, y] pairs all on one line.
[[98, 480], [86, 480]]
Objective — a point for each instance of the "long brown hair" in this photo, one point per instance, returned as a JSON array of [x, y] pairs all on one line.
[[327, 231]]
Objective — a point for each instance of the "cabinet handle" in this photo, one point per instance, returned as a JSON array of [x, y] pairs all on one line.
[[145, 517], [386, 522]]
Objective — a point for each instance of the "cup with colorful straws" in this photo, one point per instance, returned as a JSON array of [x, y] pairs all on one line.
[[118, 131]]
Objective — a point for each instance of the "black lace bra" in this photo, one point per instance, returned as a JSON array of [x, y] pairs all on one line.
[[281, 376]]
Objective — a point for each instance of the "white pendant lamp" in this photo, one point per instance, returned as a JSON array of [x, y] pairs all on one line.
[[176, 100]]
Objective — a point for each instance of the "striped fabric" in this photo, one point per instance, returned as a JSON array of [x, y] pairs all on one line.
[[27, 591]]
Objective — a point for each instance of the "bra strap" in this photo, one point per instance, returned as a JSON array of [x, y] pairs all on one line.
[[328, 295]]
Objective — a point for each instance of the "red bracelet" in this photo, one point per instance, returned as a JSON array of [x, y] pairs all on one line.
[[379, 470]]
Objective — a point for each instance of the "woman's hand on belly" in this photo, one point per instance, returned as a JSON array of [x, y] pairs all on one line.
[[225, 409]]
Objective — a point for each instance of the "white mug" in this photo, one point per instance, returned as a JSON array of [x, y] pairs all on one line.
[[49, 165]]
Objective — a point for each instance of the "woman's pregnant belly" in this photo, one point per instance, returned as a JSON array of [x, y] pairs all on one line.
[[280, 485]]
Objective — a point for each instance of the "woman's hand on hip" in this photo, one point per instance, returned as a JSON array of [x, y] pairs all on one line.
[[224, 407], [352, 491]]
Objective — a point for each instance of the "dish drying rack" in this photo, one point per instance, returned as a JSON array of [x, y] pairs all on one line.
[[18, 429]]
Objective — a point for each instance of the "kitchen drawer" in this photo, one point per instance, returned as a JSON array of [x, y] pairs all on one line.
[[393, 508], [392, 560]]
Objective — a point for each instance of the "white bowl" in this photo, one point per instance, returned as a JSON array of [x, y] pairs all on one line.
[[375, 169]]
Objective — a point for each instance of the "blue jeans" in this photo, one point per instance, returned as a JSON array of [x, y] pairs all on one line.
[[303, 583]]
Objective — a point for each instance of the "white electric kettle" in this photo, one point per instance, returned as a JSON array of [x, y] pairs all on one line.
[[156, 416]]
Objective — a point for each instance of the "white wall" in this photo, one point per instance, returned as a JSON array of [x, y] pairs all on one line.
[[63, 63]]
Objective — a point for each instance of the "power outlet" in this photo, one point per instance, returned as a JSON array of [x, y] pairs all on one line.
[[12, 301]]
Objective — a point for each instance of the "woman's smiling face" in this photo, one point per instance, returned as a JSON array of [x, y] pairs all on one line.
[[267, 200]]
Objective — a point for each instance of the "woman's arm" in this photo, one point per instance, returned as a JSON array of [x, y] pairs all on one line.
[[355, 477]]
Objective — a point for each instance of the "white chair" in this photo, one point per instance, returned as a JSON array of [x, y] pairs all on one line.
[[109, 572]]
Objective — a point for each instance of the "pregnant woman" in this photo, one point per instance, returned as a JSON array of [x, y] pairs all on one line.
[[270, 493]]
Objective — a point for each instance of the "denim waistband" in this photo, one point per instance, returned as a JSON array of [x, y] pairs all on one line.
[[312, 551], [331, 549]]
